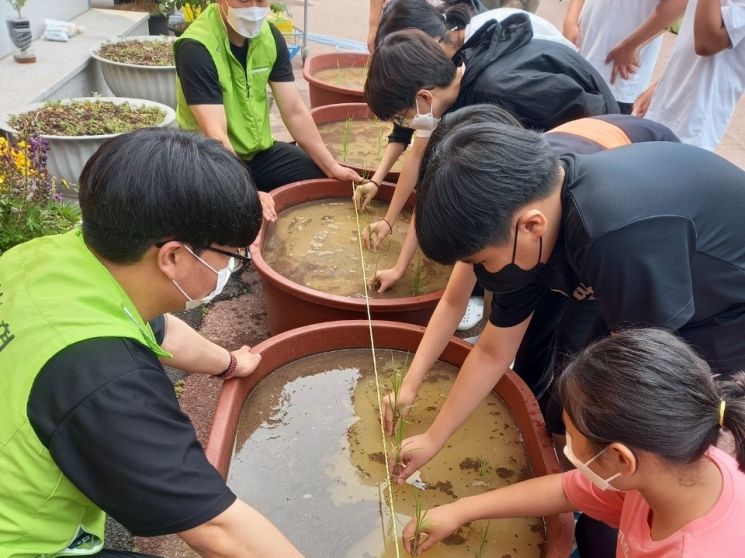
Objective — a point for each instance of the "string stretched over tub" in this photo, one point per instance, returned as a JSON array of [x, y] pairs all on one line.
[[377, 378]]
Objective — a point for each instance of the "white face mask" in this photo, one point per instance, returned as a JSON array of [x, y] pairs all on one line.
[[247, 22], [597, 480], [424, 124], [222, 279]]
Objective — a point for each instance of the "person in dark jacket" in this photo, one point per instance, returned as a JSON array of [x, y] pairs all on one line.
[[413, 82]]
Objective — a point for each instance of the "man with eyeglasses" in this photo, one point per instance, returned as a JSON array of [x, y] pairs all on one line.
[[89, 421]]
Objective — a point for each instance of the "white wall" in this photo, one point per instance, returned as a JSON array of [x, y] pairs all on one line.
[[37, 11]]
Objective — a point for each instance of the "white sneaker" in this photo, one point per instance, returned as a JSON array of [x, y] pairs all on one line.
[[474, 313]]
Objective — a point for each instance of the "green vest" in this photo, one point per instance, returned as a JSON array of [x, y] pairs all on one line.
[[243, 91], [53, 293]]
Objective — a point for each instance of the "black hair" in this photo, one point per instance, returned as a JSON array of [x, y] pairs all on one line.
[[402, 64], [471, 114], [159, 184], [420, 14], [477, 177], [647, 389]]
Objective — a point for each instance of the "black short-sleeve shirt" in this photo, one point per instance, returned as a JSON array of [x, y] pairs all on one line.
[[198, 73], [655, 232], [108, 414]]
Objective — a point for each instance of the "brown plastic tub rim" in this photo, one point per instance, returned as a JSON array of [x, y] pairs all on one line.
[[325, 188], [329, 60]]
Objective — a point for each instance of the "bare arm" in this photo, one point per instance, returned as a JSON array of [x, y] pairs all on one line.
[[709, 33], [439, 330], [625, 55], [376, 7], [213, 123], [389, 277], [239, 532], [538, 497], [196, 354], [299, 122], [406, 183], [485, 365], [571, 22], [365, 192]]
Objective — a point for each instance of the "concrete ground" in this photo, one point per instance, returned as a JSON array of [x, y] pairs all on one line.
[[240, 317]]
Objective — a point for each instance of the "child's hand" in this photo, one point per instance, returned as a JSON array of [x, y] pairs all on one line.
[[375, 233], [641, 105], [625, 60], [416, 452], [364, 194], [405, 401], [572, 33], [438, 523], [385, 279]]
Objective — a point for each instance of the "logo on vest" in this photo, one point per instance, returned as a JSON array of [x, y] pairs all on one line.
[[583, 292], [5, 335]]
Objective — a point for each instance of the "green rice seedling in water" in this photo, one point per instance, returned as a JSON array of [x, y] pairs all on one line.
[[396, 446], [481, 552], [397, 379], [484, 467], [345, 139], [338, 73], [421, 524]]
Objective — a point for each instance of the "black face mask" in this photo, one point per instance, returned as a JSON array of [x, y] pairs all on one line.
[[510, 278]]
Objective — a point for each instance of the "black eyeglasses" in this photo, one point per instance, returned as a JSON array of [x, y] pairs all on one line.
[[236, 261]]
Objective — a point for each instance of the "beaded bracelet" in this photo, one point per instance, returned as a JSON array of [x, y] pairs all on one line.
[[230, 370]]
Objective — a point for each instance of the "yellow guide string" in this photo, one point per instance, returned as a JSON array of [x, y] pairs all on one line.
[[377, 380]]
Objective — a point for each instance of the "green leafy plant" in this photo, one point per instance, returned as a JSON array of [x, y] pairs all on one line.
[[421, 524], [481, 552], [17, 5], [30, 205], [279, 8]]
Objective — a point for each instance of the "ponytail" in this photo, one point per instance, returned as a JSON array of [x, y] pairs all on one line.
[[731, 414]]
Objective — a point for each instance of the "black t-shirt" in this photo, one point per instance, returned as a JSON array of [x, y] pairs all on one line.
[[655, 232], [198, 73], [108, 414]]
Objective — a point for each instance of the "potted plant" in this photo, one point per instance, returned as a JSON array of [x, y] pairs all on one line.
[[75, 128], [280, 16], [157, 23], [188, 10], [30, 204], [19, 29], [140, 68]]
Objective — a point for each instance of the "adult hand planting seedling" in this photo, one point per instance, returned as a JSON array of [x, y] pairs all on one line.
[[403, 402], [439, 523], [385, 279], [268, 211], [375, 233], [364, 194]]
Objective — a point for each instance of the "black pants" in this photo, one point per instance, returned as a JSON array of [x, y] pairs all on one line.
[[560, 327], [626, 108], [281, 164], [594, 538]]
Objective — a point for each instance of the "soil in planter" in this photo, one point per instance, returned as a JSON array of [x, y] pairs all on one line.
[[365, 142], [86, 118], [316, 245], [308, 455], [142, 53], [344, 77]]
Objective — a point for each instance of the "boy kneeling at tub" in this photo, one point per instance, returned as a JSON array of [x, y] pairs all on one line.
[[643, 414]]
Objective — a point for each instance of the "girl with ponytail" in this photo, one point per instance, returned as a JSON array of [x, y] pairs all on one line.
[[643, 415]]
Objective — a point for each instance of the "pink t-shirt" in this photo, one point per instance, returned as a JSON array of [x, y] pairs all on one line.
[[718, 534]]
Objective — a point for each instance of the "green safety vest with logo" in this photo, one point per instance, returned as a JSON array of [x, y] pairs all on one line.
[[243, 91], [53, 293]]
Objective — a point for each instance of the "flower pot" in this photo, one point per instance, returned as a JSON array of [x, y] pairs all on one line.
[[290, 305], [329, 93], [154, 83], [157, 24], [68, 154], [355, 111], [320, 338], [21, 37]]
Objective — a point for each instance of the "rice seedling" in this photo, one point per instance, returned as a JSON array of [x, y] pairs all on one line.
[[345, 135], [421, 524], [481, 552], [416, 282], [484, 467]]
